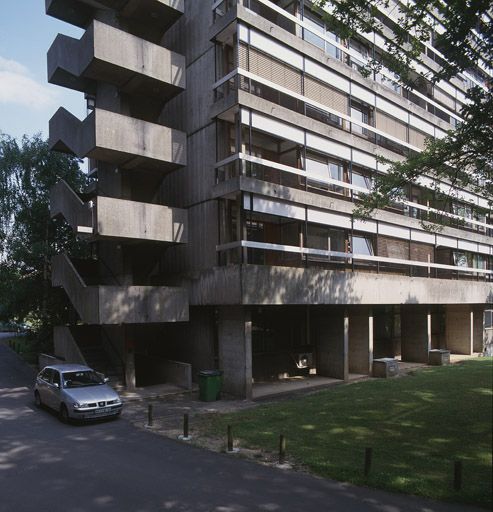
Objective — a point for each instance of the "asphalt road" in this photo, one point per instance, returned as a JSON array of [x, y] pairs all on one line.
[[112, 466]]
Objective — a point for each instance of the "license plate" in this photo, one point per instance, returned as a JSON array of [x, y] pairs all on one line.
[[105, 410]]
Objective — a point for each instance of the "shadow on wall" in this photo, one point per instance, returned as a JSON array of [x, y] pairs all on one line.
[[287, 285]]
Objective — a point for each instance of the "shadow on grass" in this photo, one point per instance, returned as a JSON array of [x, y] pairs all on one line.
[[417, 426]]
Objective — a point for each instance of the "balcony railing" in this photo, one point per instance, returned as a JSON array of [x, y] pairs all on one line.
[[242, 164], [294, 256]]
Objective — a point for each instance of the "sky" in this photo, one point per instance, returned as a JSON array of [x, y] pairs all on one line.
[[27, 101]]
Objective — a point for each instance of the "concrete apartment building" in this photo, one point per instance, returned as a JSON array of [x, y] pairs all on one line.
[[229, 140]]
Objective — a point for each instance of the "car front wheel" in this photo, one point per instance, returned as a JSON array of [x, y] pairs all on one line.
[[63, 414], [37, 399]]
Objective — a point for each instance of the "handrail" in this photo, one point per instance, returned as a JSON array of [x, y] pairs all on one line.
[[342, 184], [346, 255]]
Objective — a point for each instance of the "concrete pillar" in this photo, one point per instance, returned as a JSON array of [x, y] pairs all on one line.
[[235, 350], [415, 333], [330, 335], [478, 331], [459, 328], [360, 350]]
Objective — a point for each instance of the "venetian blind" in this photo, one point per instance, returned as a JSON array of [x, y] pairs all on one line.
[[417, 138], [271, 69], [391, 126], [318, 91]]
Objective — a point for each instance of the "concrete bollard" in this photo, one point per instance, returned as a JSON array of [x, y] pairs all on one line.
[[368, 460]]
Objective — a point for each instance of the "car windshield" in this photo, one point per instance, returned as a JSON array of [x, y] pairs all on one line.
[[81, 379]]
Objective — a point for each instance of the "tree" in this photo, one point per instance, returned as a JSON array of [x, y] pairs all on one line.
[[464, 157], [28, 236]]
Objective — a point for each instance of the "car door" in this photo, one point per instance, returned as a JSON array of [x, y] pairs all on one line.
[[44, 385], [55, 390]]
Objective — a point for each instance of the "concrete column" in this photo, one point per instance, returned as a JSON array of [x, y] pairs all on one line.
[[360, 350], [415, 333], [330, 334], [478, 332], [235, 350], [459, 328]]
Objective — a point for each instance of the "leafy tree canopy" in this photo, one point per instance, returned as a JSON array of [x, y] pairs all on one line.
[[462, 33], [28, 236]]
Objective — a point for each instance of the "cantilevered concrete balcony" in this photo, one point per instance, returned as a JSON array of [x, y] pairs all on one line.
[[155, 14], [110, 218], [107, 54], [125, 141], [110, 305]]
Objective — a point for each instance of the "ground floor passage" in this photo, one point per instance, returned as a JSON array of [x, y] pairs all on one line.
[[264, 349]]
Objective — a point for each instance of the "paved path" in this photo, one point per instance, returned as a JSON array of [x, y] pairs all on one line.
[[112, 466]]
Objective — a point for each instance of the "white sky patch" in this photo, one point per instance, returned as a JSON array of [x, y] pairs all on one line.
[[18, 87]]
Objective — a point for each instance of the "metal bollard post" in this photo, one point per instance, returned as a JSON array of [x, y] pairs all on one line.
[[149, 416], [185, 426], [368, 458], [230, 439], [282, 449], [457, 475]]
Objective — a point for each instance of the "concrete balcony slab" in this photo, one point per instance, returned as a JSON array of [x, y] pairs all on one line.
[[119, 219], [107, 54], [125, 141]]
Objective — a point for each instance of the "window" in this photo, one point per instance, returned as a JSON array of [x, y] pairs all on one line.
[[361, 179], [363, 113], [318, 28], [324, 168], [362, 245], [326, 239], [460, 259], [488, 319]]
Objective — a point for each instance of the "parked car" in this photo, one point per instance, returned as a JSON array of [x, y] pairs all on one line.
[[76, 392]]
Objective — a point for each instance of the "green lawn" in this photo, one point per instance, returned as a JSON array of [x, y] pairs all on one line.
[[25, 346], [417, 426]]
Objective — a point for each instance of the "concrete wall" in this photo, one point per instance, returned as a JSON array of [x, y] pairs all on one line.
[[459, 323], [415, 333], [65, 345], [130, 219], [151, 370], [329, 333], [360, 350], [142, 304], [282, 285], [235, 350]]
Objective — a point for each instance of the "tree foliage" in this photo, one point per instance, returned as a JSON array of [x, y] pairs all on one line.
[[464, 157], [28, 236]]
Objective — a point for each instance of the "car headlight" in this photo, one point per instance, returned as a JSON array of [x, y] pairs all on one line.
[[78, 405]]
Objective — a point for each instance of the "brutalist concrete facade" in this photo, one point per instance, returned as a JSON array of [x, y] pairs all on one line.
[[230, 141]]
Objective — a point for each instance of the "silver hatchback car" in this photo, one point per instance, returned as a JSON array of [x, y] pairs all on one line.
[[76, 392]]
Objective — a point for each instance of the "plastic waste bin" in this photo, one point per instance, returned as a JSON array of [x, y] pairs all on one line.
[[210, 383]]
